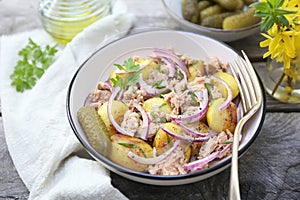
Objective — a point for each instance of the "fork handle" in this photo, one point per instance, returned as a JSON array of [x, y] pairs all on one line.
[[234, 190]]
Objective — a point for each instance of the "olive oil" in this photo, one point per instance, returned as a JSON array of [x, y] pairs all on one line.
[[64, 19]]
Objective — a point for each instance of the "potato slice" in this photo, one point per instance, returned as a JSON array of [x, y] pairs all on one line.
[[150, 66], [220, 120], [162, 141], [157, 104], [196, 69], [122, 144], [118, 110], [230, 80]]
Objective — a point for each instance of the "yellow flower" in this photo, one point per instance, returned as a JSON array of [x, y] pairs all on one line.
[[284, 42]]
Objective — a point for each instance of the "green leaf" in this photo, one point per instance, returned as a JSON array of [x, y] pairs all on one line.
[[38, 72], [267, 23], [278, 3], [279, 11], [120, 67], [130, 78], [130, 66], [27, 70], [271, 13], [283, 20], [261, 6]]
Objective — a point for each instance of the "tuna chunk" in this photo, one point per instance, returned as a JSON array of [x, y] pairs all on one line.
[[172, 165]]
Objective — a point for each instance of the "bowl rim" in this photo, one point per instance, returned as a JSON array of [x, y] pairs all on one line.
[[199, 27], [111, 165]]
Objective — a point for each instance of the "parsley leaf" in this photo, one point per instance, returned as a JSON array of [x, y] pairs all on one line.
[[32, 65], [130, 77]]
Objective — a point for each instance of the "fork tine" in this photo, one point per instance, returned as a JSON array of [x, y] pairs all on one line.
[[245, 68], [251, 97], [254, 77], [248, 84], [245, 96]]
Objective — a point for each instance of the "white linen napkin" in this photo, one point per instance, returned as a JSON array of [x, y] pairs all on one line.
[[40, 141]]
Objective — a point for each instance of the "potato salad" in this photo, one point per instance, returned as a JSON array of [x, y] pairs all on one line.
[[165, 114]]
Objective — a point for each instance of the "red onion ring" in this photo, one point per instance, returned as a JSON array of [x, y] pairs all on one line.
[[110, 116], [191, 131], [111, 88], [198, 164], [149, 89], [146, 121], [198, 115], [229, 93], [150, 161], [172, 56], [171, 66], [186, 138]]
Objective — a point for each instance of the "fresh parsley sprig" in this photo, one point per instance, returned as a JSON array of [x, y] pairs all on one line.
[[130, 77], [34, 61]]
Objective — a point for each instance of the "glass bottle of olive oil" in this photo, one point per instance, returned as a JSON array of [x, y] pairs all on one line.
[[64, 19]]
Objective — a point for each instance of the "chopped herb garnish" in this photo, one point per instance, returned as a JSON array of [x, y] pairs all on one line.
[[178, 74], [227, 142], [129, 145], [162, 105], [33, 64], [158, 85], [158, 67], [133, 146], [129, 66], [130, 77], [154, 118], [208, 87], [161, 95], [194, 100], [168, 140]]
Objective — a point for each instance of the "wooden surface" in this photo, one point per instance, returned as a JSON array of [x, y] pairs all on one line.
[[269, 170]]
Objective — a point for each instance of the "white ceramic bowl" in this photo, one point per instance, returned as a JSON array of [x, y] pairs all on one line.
[[173, 8], [100, 65]]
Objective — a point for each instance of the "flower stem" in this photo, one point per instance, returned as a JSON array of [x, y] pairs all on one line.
[[278, 83]]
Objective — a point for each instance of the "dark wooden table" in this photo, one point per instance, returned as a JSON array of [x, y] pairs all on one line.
[[269, 170]]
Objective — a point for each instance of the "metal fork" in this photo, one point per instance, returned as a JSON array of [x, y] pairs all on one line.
[[251, 98]]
